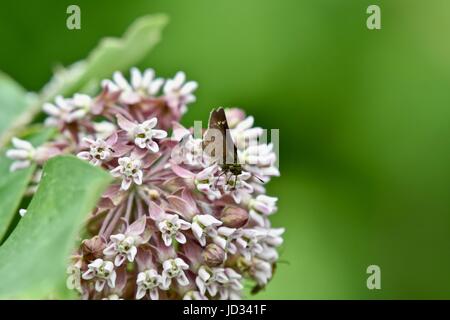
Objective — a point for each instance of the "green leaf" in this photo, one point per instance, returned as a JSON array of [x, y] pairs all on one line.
[[117, 53], [13, 101], [33, 259], [13, 184], [12, 188], [110, 55]]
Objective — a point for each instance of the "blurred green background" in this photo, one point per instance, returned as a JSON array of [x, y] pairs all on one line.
[[364, 119]]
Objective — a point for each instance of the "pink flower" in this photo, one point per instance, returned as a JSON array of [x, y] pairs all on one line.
[[68, 110], [204, 225], [24, 154], [179, 94], [99, 150], [149, 281], [103, 272], [171, 227], [143, 133], [237, 185], [124, 246], [174, 269], [143, 85], [129, 170]]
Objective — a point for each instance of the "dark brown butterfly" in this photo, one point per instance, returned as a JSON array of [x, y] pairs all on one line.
[[219, 144], [224, 151]]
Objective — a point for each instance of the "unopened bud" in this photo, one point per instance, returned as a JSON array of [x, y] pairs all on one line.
[[93, 248], [213, 255], [234, 217]]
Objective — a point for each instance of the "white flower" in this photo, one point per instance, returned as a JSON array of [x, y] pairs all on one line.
[[259, 155], [171, 228], [261, 271], [264, 204], [68, 110], [122, 247], [149, 281], [231, 288], [189, 151], [234, 116], [256, 158], [130, 171], [249, 243], [261, 207], [74, 279], [263, 172], [208, 183], [244, 134], [143, 85], [82, 103], [194, 295], [143, 133], [226, 282], [99, 151], [173, 268], [178, 93], [23, 154], [104, 129], [194, 155], [23, 212], [209, 279], [273, 236], [203, 225], [224, 238], [103, 272], [270, 240], [237, 185], [260, 160]]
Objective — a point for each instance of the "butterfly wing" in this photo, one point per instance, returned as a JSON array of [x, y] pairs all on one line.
[[218, 122]]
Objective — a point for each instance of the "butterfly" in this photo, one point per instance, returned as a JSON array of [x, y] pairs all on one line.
[[224, 154], [219, 145]]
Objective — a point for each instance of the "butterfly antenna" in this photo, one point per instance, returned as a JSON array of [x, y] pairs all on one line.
[[259, 178]]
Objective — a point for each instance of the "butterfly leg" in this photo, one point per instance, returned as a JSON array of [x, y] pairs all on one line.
[[215, 184]]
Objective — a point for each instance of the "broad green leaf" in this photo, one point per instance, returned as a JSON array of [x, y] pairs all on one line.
[[110, 55], [33, 259], [12, 188], [117, 53], [13, 101], [14, 184]]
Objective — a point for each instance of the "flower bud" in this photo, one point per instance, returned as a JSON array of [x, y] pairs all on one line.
[[234, 217], [93, 248], [213, 255]]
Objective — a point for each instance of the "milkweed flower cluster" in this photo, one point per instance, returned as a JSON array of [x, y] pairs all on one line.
[[175, 224]]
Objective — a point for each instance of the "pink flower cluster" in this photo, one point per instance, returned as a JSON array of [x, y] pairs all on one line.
[[175, 224]]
